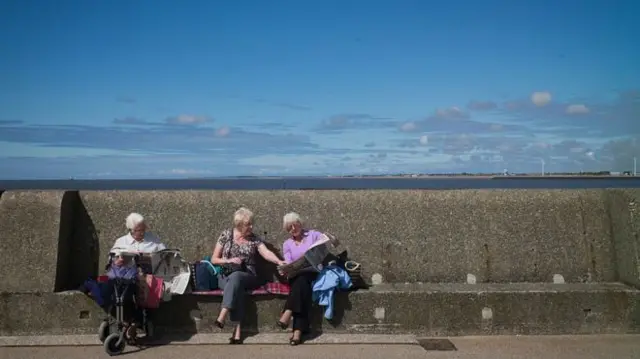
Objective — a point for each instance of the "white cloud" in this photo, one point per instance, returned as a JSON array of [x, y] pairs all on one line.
[[188, 119], [577, 109], [541, 98], [223, 131], [408, 127], [186, 171], [451, 113], [424, 140]]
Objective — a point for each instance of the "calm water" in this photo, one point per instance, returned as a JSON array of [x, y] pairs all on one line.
[[328, 183]]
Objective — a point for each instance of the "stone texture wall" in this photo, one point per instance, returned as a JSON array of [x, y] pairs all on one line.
[[29, 240], [53, 240], [624, 212]]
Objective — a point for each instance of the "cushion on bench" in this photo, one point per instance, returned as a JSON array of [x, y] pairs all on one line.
[[271, 288]]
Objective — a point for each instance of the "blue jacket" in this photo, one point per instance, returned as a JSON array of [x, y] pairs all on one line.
[[328, 280]]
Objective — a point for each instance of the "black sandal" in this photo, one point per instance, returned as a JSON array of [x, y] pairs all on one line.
[[219, 324], [282, 325], [234, 341], [294, 342]]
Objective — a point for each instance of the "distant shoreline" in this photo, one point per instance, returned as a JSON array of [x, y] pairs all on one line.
[[435, 182]]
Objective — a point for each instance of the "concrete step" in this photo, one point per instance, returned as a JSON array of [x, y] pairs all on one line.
[[211, 339], [428, 309]]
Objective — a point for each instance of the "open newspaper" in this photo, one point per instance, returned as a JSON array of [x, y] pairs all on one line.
[[314, 259], [167, 264]]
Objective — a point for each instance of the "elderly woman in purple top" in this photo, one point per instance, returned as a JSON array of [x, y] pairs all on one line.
[[299, 302]]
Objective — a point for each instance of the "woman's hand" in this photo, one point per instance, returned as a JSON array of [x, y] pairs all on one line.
[[235, 260], [280, 264]]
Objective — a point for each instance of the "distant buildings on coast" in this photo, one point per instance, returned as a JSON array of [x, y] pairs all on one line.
[[505, 173]]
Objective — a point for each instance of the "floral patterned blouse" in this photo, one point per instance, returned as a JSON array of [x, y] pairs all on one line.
[[247, 252]]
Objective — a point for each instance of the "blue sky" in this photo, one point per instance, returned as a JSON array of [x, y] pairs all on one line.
[[159, 88]]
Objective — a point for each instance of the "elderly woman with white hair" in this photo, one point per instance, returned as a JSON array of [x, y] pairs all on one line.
[[138, 239], [236, 251], [299, 302]]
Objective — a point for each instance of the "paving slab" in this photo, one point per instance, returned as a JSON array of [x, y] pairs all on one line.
[[208, 339], [495, 347]]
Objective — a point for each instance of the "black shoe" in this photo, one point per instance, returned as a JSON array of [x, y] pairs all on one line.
[[294, 342], [218, 324], [235, 341], [282, 325]]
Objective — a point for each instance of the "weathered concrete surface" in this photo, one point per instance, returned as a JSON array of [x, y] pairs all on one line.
[[427, 309], [52, 241], [406, 236], [522, 347], [211, 338], [29, 232], [624, 212]]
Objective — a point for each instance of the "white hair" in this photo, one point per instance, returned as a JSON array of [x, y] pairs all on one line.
[[243, 215], [289, 219], [133, 220]]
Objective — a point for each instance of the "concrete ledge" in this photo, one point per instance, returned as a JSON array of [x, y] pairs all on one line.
[[495, 235], [30, 223], [208, 339], [420, 309]]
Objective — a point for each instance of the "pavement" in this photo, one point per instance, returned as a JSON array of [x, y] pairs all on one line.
[[356, 346]]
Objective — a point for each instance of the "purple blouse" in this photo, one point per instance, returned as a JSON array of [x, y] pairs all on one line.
[[293, 252]]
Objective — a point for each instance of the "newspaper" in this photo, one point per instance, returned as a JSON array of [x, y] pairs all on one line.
[[179, 283], [170, 266], [314, 258]]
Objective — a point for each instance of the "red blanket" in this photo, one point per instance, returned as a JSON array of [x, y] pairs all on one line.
[[271, 288]]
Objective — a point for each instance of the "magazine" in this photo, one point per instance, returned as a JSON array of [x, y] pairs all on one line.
[[314, 258]]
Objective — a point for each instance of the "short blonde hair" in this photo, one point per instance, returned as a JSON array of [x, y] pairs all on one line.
[[289, 219], [243, 215], [133, 220]]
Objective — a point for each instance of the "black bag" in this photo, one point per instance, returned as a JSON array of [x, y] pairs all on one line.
[[229, 268]]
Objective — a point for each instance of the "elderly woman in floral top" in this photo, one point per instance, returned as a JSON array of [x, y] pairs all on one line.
[[236, 251]]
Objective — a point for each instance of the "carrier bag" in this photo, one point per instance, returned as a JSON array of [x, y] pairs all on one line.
[[149, 291]]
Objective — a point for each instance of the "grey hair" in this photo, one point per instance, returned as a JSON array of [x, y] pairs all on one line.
[[241, 216], [133, 220], [289, 219]]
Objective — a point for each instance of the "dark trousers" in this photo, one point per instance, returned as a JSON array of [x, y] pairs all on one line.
[[300, 299]]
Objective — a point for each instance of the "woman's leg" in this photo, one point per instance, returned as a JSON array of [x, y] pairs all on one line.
[[233, 296], [291, 303], [299, 303]]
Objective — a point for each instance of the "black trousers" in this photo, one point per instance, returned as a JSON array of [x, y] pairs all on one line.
[[300, 299]]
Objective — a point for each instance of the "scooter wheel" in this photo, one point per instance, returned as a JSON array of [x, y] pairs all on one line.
[[103, 331], [111, 344]]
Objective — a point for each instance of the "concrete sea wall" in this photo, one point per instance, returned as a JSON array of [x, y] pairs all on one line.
[[51, 241]]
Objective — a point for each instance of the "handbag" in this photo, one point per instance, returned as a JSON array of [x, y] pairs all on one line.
[[229, 268], [205, 276]]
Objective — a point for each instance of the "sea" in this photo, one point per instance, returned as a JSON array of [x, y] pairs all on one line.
[[330, 183]]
